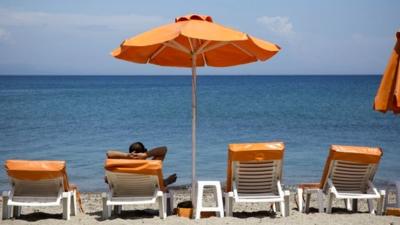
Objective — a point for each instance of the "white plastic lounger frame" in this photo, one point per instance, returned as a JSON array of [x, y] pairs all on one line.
[[131, 189], [257, 181], [38, 193], [348, 181]]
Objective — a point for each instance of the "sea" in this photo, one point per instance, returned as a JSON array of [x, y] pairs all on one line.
[[79, 118]]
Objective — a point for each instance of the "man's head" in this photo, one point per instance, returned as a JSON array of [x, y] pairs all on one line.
[[137, 147]]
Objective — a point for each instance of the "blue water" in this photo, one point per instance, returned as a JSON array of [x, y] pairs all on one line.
[[78, 118]]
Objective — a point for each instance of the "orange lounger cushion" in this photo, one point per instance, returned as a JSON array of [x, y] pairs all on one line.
[[252, 152], [37, 170], [145, 167], [355, 154]]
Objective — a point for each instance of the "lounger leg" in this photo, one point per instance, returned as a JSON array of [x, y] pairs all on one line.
[[354, 205], [162, 204], [228, 203], [170, 202], [386, 202], [17, 211], [276, 207], [117, 210], [6, 209], [300, 199], [286, 203], [371, 206], [218, 200], [199, 202], [106, 208], [66, 199], [308, 199], [347, 203], [282, 208], [320, 201], [73, 203], [381, 202], [329, 202]]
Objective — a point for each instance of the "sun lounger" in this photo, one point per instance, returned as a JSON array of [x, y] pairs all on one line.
[[133, 182], [348, 175], [38, 183], [254, 175]]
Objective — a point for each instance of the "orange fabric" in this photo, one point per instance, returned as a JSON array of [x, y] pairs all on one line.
[[252, 152], [356, 154], [78, 196], [41, 170], [309, 185], [388, 95], [238, 47], [37, 170], [392, 212], [145, 167]]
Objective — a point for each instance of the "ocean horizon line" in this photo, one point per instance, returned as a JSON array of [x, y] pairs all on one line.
[[183, 75]]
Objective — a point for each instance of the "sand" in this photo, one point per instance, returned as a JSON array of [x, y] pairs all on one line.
[[243, 214]]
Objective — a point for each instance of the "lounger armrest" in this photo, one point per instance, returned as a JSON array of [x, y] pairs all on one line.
[[280, 191], [332, 186], [372, 187], [235, 191]]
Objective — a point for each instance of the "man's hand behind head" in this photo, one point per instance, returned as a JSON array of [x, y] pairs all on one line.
[[138, 155]]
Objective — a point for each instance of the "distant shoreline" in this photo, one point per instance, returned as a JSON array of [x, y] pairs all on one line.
[[186, 75]]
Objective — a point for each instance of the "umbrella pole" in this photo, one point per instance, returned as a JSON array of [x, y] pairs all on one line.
[[194, 112]]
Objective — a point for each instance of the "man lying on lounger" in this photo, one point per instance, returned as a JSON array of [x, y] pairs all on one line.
[[138, 151]]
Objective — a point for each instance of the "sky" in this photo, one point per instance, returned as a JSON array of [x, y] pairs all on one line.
[[75, 37]]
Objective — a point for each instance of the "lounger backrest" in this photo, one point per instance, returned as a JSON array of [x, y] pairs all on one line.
[[257, 177], [350, 167], [134, 178], [42, 188], [255, 167], [132, 185], [45, 175]]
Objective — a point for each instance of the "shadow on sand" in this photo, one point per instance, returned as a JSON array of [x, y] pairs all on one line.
[[36, 216], [336, 210], [127, 214]]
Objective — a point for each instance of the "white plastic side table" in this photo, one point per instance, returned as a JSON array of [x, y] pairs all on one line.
[[219, 209]]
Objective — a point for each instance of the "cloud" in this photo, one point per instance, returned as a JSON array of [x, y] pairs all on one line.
[[277, 24], [10, 18]]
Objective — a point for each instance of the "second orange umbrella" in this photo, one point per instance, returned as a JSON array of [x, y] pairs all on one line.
[[388, 95]]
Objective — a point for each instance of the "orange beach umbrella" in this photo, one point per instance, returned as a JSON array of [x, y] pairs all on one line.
[[388, 96], [192, 41]]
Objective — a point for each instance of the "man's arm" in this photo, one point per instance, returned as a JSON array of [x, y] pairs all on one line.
[[112, 154], [158, 153]]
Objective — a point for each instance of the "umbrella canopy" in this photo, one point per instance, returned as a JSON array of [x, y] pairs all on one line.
[[388, 96], [193, 41], [214, 45]]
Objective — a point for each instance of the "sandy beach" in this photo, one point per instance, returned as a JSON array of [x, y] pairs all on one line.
[[243, 214]]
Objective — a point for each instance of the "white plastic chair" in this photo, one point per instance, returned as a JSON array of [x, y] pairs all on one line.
[[348, 175], [132, 189], [258, 180], [38, 193]]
